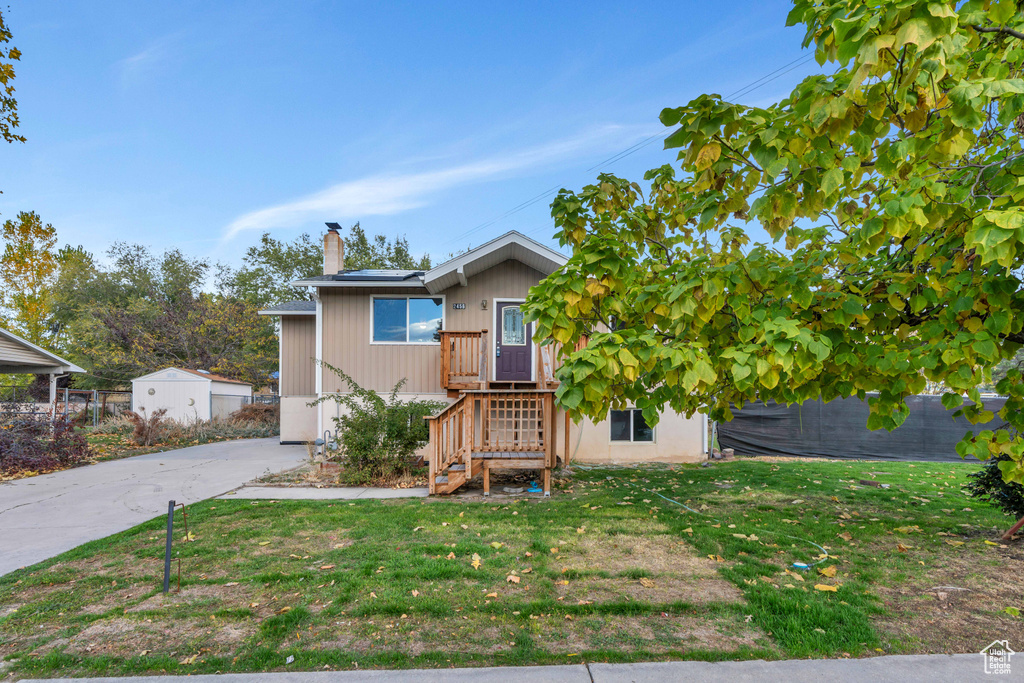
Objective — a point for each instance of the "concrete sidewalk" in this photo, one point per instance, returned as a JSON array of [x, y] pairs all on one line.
[[326, 493], [897, 669], [46, 515]]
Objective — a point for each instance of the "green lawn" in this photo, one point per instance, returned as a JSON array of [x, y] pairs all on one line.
[[604, 570]]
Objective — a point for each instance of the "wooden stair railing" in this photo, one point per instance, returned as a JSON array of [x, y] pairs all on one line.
[[485, 429], [463, 359]]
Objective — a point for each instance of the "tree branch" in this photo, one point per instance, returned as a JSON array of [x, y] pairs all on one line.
[[999, 29]]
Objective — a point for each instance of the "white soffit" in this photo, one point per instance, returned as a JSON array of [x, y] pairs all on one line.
[[511, 245]]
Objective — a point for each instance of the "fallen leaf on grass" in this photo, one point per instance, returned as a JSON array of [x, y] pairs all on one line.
[[716, 558], [581, 530], [496, 545], [1012, 611], [491, 595], [846, 536], [954, 543], [795, 575], [189, 660], [646, 583], [902, 548], [688, 530], [476, 561], [512, 578], [827, 571], [913, 529], [418, 528], [231, 583], [823, 587], [284, 609], [527, 570], [554, 551], [450, 556], [327, 566], [415, 593], [264, 542]]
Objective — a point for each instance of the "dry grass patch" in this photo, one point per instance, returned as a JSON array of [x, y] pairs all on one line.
[[654, 634], [660, 589], [959, 607], [125, 637]]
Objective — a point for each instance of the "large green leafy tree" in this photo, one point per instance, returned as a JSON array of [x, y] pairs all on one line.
[[269, 267], [893, 191], [145, 312]]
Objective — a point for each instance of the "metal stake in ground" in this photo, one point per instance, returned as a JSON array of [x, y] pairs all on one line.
[[167, 552]]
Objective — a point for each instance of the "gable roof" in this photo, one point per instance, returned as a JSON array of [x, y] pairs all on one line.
[[20, 356], [512, 245], [202, 374], [291, 308]]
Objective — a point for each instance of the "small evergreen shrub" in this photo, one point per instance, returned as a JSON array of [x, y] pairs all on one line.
[[987, 484], [378, 436]]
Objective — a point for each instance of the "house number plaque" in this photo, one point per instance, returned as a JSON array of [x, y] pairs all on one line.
[[459, 307]]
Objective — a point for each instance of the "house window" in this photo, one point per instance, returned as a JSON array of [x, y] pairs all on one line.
[[407, 320], [513, 330], [630, 425]]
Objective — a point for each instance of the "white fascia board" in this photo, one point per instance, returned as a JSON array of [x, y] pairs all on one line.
[[459, 263], [59, 362]]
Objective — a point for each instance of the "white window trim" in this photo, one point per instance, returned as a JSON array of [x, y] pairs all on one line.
[[497, 332], [444, 318], [654, 432]]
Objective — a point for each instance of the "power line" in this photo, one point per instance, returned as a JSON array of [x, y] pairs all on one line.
[[636, 147]]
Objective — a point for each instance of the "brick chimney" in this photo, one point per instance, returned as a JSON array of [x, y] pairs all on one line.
[[334, 250]]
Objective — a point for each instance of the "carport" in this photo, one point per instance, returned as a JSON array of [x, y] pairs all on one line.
[[21, 357]]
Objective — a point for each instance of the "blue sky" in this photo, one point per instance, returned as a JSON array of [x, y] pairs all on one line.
[[199, 125]]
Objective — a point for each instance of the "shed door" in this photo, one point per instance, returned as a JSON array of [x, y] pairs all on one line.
[[513, 345]]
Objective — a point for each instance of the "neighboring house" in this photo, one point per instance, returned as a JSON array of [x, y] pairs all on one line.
[[455, 333], [21, 357], [189, 395]]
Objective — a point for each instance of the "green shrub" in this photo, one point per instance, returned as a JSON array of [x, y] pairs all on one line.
[[987, 484], [378, 436]]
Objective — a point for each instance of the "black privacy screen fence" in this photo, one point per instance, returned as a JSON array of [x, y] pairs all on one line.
[[838, 429]]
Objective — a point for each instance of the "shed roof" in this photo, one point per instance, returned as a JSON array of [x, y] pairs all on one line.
[[20, 356], [202, 374]]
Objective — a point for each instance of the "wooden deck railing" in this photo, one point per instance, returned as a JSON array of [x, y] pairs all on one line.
[[519, 424], [463, 359]]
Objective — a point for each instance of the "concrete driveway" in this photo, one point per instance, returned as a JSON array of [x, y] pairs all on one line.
[[46, 515]]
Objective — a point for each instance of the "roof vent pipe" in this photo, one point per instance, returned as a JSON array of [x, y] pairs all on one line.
[[334, 250]]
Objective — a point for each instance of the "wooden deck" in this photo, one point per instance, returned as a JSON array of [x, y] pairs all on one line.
[[492, 429]]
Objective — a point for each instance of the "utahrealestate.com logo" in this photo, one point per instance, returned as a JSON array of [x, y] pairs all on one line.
[[997, 657]]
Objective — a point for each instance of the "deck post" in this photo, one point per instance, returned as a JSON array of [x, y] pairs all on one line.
[[483, 359], [468, 418], [565, 458], [432, 457], [487, 479], [547, 481]]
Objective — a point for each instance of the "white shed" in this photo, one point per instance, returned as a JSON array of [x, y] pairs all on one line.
[[189, 395]]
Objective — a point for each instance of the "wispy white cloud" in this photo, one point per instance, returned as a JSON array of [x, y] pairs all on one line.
[[391, 193], [132, 69]]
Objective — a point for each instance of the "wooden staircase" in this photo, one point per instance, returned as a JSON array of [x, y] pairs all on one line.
[[489, 429]]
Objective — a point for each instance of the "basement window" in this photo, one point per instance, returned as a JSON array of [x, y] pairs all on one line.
[[406, 320], [630, 426]]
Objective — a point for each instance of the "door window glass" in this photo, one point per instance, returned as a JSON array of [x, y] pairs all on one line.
[[513, 331]]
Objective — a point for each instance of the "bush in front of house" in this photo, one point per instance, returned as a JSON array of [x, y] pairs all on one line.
[[378, 436], [34, 444]]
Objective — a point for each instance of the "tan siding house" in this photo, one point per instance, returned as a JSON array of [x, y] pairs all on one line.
[[455, 333]]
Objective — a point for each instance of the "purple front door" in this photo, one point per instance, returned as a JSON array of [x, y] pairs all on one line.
[[513, 345]]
